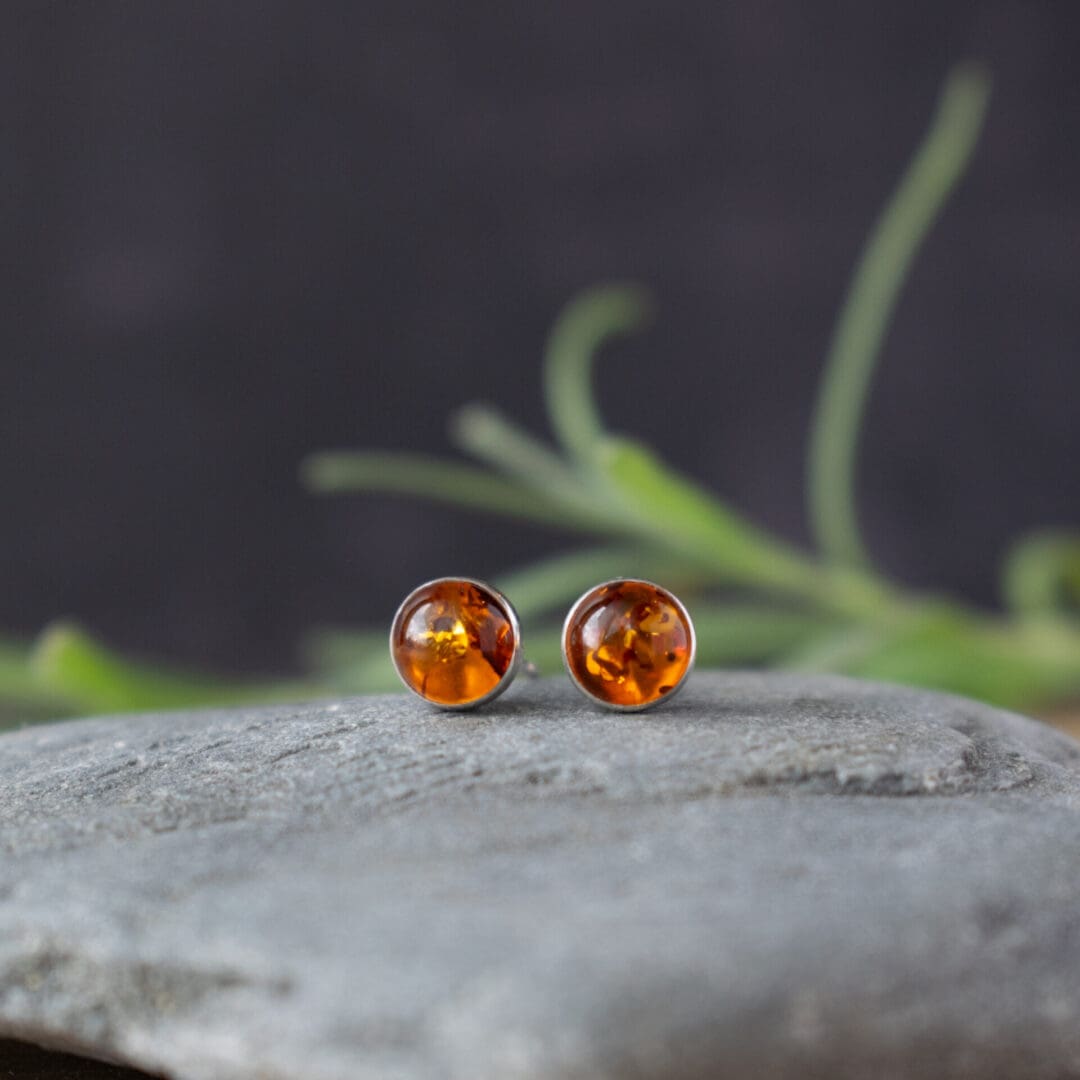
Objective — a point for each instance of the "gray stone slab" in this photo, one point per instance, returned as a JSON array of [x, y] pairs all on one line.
[[771, 877]]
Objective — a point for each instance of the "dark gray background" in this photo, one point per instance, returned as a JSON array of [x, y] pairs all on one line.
[[238, 232]]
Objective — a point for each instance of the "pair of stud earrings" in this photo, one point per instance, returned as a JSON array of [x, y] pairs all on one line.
[[627, 644]]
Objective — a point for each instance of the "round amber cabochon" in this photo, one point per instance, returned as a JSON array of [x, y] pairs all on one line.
[[454, 641], [628, 644]]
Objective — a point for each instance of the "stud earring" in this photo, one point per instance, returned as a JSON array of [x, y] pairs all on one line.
[[628, 644], [456, 642]]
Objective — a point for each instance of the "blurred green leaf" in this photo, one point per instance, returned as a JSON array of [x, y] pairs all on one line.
[[678, 515], [853, 645], [339, 471], [547, 585], [977, 662], [23, 696], [351, 661], [1042, 574], [69, 663], [731, 634], [948, 648], [872, 296], [489, 436], [14, 666], [580, 330]]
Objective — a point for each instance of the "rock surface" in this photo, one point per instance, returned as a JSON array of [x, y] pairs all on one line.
[[771, 877]]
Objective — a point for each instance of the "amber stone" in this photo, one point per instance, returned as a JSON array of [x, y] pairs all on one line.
[[453, 641], [628, 644]]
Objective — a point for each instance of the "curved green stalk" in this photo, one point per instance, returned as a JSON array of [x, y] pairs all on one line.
[[872, 297], [583, 326]]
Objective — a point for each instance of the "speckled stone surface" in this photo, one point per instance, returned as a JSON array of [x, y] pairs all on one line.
[[771, 877]]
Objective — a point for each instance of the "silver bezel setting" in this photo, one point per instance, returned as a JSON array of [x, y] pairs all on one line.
[[571, 618], [515, 659]]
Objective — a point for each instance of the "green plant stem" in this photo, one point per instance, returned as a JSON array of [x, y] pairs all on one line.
[[867, 310], [671, 512], [547, 585], [450, 482], [584, 325], [648, 503], [487, 435]]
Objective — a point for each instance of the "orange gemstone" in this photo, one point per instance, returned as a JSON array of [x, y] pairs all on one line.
[[453, 641], [628, 644]]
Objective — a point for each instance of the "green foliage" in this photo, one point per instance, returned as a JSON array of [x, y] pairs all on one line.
[[756, 599], [872, 296], [66, 672], [1042, 576], [577, 336]]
